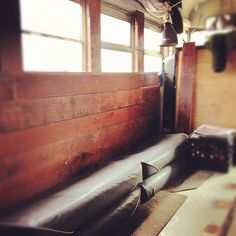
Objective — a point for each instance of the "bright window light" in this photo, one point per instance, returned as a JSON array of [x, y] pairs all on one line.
[[51, 36], [54, 17], [114, 30], [200, 37], [152, 40], [48, 54], [152, 63], [116, 61]]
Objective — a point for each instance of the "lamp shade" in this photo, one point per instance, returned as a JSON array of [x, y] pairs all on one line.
[[169, 35]]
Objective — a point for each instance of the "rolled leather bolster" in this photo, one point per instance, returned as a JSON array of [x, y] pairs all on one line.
[[75, 205], [111, 218], [156, 182], [159, 152]]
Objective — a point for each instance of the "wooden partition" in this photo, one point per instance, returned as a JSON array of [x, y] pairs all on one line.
[[185, 76], [53, 126], [204, 96], [215, 98]]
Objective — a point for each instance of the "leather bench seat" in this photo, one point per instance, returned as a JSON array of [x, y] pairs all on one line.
[[157, 181], [73, 206], [111, 218], [158, 152], [99, 199]]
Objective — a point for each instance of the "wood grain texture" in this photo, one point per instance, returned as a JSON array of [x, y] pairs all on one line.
[[57, 162], [44, 85], [215, 92], [53, 126], [22, 114], [185, 89], [20, 141]]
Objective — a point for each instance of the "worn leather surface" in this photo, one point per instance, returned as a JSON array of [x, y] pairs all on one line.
[[156, 182], [76, 204], [16, 230], [159, 152], [110, 219]]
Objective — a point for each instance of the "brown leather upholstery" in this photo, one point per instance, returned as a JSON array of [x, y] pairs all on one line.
[[108, 221], [100, 199], [77, 204], [156, 182], [159, 152]]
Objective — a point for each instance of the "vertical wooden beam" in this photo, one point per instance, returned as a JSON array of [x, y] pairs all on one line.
[[10, 37], [185, 89], [138, 41], [93, 36]]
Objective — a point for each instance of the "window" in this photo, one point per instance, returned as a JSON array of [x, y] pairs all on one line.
[[51, 35], [200, 37], [116, 53], [152, 56], [181, 39]]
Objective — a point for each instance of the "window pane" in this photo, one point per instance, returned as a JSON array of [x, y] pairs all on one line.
[[152, 64], [114, 30], [55, 17], [47, 54], [115, 61], [152, 40], [200, 37], [181, 39]]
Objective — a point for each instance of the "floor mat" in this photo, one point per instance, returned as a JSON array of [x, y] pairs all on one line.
[[189, 180], [152, 216]]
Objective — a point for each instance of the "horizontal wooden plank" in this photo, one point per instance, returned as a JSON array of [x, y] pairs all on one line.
[[42, 85], [5, 92], [6, 88], [23, 114], [25, 161], [42, 168], [151, 93], [19, 141], [151, 79]]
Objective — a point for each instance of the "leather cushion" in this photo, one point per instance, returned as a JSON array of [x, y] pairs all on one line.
[[159, 152], [76, 204], [110, 219], [156, 182]]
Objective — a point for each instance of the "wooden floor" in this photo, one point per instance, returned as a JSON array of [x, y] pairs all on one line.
[[208, 210]]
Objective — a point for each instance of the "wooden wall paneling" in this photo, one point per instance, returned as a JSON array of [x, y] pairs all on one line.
[[30, 85], [185, 89], [6, 90], [20, 141], [151, 79], [93, 37], [23, 114], [151, 93], [138, 41], [77, 147], [60, 161], [10, 40], [215, 92]]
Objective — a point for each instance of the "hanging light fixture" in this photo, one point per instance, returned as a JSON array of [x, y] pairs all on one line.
[[169, 35]]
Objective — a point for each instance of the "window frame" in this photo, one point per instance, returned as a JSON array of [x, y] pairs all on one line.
[[120, 14], [147, 52], [82, 40]]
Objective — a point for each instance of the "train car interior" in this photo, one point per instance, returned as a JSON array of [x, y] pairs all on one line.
[[118, 117]]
